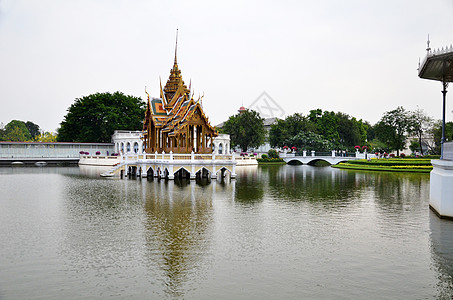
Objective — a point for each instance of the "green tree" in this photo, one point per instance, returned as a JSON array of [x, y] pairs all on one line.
[[246, 129], [419, 124], [283, 130], [46, 137], [327, 126], [16, 131], [33, 129], [370, 131], [94, 118], [311, 141], [392, 129], [414, 146], [436, 132], [2, 131], [352, 132], [338, 129], [314, 115]]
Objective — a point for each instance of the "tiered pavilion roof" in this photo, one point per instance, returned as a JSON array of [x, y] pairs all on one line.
[[175, 121]]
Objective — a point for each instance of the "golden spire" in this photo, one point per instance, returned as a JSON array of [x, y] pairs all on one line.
[[175, 80], [176, 46]]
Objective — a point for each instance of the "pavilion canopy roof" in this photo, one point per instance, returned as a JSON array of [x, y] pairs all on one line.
[[438, 65]]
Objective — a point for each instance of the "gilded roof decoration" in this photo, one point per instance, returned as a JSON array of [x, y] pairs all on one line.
[[176, 107]]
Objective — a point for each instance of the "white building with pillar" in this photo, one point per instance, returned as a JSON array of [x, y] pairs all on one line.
[[132, 142], [128, 141], [222, 144]]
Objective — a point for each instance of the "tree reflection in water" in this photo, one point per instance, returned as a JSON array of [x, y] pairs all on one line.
[[251, 184], [330, 187]]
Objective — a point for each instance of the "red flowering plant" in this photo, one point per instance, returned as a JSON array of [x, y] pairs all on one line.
[[294, 148], [365, 148], [285, 147], [357, 147]]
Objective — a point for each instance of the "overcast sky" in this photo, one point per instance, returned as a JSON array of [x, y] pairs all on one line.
[[354, 56]]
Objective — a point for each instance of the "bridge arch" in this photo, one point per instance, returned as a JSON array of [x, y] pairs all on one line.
[[150, 172], [203, 172], [314, 161], [182, 172], [294, 162], [309, 160], [222, 171]]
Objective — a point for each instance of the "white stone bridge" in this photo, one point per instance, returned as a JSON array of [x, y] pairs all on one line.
[[332, 158]]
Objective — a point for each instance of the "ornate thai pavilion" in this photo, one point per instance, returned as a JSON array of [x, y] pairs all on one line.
[[175, 121]]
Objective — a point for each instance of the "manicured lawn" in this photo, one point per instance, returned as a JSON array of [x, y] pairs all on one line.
[[418, 165], [270, 161]]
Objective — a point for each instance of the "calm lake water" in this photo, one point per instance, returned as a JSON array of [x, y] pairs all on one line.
[[283, 232]]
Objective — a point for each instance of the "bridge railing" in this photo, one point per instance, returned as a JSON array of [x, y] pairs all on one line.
[[332, 153], [130, 157]]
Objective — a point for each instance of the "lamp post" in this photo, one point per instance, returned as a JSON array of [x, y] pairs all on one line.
[[444, 100]]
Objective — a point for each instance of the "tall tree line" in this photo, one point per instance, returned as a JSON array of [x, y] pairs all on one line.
[[319, 130]]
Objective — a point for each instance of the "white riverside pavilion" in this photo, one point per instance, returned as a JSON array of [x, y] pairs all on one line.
[[438, 65], [132, 142], [177, 138], [133, 160]]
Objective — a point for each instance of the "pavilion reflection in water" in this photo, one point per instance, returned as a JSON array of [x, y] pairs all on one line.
[[179, 221]]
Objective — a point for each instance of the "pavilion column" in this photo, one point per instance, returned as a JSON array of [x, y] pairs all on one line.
[[164, 142], [193, 138], [203, 141], [187, 140], [200, 142], [159, 140], [197, 139], [210, 139], [180, 136], [154, 140]]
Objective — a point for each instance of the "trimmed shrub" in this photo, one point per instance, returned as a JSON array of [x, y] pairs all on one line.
[[272, 153]]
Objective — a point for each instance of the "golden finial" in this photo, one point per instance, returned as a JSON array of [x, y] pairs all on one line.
[[149, 103], [201, 100], [162, 94], [176, 45]]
